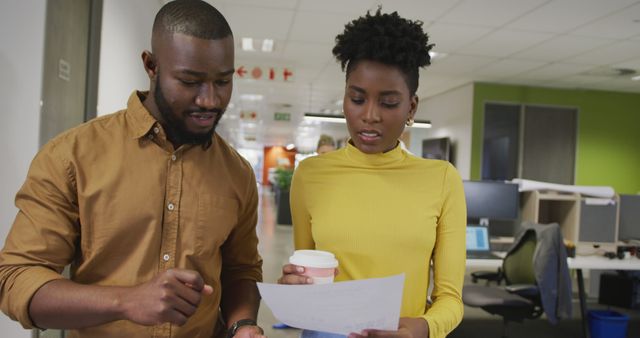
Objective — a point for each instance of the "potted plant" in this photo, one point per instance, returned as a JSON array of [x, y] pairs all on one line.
[[283, 183]]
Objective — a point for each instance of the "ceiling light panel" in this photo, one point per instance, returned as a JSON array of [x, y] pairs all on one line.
[[267, 45], [247, 45]]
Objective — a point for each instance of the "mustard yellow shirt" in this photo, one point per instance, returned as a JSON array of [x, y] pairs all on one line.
[[386, 214], [113, 198]]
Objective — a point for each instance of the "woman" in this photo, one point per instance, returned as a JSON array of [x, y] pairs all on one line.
[[380, 210]]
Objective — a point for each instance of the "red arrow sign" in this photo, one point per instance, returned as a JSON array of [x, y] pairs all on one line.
[[241, 71], [287, 73], [267, 73]]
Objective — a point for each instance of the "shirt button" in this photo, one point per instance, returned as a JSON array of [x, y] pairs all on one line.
[[150, 136], [170, 206], [166, 257], [156, 130], [173, 157]]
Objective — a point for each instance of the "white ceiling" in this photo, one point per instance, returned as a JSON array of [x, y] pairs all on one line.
[[554, 43]]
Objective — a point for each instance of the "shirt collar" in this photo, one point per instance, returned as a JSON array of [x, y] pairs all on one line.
[[394, 155], [141, 119]]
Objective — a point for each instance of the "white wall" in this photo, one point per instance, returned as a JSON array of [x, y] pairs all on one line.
[[21, 52], [451, 116], [126, 32]]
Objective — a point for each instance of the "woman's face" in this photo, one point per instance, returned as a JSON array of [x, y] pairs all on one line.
[[377, 104]]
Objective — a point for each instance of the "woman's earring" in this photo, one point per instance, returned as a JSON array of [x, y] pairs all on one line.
[[409, 122]]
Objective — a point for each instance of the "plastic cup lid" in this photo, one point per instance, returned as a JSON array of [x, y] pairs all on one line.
[[314, 259]]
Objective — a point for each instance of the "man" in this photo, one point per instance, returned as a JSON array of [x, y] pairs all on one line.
[[153, 210]]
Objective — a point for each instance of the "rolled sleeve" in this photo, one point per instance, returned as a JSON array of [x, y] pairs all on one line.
[[19, 286]]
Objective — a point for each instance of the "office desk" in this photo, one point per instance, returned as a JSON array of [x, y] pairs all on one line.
[[596, 262], [484, 263], [578, 263]]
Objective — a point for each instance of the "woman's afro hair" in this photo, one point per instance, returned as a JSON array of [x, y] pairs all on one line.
[[385, 38]]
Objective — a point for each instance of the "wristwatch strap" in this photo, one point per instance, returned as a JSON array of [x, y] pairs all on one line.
[[237, 325]]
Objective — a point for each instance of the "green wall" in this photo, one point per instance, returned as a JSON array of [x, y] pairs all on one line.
[[608, 147]]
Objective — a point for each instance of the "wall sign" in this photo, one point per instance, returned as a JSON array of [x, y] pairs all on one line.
[[278, 116], [265, 73]]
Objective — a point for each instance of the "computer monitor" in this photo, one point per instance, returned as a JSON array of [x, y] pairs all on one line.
[[629, 219], [437, 148], [488, 200]]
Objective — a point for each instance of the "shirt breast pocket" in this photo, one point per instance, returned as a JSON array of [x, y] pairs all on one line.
[[217, 216]]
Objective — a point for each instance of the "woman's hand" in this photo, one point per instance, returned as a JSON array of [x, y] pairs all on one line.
[[292, 274], [250, 332], [408, 328]]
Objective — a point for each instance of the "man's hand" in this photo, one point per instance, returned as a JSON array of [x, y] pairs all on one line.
[[170, 297], [250, 332]]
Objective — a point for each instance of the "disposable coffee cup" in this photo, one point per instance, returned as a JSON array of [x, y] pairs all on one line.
[[319, 265]]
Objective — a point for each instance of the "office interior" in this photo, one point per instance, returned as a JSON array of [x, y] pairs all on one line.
[[546, 90]]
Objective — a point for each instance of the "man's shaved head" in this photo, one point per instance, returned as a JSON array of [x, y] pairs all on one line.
[[190, 17]]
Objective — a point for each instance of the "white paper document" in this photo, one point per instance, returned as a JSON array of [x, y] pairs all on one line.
[[341, 308]]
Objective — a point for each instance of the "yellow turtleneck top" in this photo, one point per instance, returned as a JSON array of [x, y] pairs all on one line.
[[386, 214]]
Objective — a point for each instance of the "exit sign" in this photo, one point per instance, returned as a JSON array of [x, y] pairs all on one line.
[[282, 116]]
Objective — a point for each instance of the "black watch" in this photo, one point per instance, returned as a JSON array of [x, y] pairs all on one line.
[[237, 325]]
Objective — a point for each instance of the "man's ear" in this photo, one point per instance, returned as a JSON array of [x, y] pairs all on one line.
[[150, 65]]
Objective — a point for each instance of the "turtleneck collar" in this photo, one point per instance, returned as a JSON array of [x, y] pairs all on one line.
[[380, 159]]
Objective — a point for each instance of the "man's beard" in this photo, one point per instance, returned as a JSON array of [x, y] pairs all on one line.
[[176, 129]]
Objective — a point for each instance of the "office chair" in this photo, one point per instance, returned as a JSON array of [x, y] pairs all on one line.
[[537, 277]]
